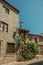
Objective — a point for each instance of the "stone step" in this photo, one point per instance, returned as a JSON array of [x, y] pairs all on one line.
[[8, 58]]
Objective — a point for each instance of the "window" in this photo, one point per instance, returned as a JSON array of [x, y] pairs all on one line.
[[5, 9], [3, 26], [40, 39], [30, 38], [10, 48]]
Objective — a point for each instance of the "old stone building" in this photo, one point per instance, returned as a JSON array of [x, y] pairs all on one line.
[[9, 19], [9, 22], [38, 39]]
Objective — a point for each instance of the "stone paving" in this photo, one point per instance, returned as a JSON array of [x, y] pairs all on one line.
[[25, 62], [37, 63]]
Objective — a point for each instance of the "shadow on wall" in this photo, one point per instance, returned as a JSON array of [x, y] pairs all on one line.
[[14, 34]]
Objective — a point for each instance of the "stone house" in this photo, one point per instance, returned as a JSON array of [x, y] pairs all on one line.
[[9, 20], [38, 39]]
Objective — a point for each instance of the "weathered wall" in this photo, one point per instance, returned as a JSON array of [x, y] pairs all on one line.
[[12, 20]]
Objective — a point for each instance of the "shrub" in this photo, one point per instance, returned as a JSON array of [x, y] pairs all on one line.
[[30, 50], [20, 58], [29, 55], [32, 47]]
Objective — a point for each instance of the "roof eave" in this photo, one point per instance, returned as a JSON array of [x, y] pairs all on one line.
[[11, 6]]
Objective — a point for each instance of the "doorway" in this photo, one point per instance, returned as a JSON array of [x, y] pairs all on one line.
[[36, 41]]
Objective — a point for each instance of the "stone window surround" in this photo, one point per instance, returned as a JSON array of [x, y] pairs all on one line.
[[11, 49], [4, 27], [5, 9]]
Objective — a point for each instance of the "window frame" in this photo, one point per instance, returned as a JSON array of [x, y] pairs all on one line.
[[30, 38], [4, 26], [9, 50], [1, 26], [5, 9]]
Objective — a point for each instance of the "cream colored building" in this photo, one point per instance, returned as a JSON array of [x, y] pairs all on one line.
[[9, 20]]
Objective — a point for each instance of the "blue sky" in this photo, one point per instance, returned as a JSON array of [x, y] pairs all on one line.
[[31, 13]]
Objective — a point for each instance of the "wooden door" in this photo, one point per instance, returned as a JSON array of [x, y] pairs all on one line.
[[35, 39]]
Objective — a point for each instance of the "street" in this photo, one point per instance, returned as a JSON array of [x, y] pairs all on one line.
[[37, 63]]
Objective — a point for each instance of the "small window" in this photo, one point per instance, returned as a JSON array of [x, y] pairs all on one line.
[[40, 39], [5, 9], [30, 38], [10, 48], [6, 27], [3, 26]]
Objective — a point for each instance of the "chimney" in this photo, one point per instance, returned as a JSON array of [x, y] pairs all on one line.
[[42, 34]]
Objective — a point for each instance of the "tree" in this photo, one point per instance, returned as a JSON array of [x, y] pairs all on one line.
[[29, 50]]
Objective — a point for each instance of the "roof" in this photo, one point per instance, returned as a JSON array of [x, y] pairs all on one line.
[[35, 35], [24, 30], [17, 11]]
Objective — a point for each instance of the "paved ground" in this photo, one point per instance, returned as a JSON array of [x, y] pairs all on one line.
[[32, 62], [36, 61]]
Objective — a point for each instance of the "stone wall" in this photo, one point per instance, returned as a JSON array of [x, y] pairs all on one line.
[[12, 20]]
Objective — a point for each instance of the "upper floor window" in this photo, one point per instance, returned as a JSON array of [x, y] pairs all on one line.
[[1, 26], [4, 26], [5, 9], [30, 38], [40, 39]]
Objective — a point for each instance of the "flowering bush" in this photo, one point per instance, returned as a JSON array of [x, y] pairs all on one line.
[[30, 50]]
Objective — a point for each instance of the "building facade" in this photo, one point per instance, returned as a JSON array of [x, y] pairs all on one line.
[[38, 39], [9, 20]]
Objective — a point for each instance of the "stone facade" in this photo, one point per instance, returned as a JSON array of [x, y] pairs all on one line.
[[12, 19], [38, 39], [10, 16]]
